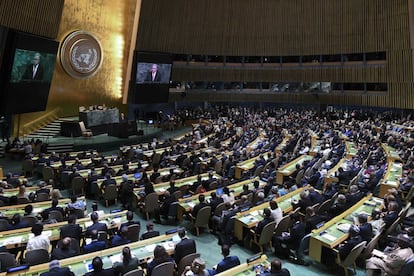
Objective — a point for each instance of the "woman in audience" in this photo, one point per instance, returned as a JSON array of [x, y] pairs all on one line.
[[129, 262], [227, 196], [197, 268], [55, 194], [160, 256]]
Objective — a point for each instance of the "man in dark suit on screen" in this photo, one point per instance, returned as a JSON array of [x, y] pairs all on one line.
[[153, 75], [34, 71]]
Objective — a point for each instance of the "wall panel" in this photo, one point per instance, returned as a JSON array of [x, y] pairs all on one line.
[[295, 27]]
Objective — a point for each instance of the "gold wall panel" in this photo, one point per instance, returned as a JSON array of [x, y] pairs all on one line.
[[111, 23]]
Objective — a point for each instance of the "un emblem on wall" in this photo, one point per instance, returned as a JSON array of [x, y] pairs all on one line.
[[81, 54]]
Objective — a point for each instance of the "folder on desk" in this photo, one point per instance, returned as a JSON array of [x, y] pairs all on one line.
[[191, 204], [150, 247]]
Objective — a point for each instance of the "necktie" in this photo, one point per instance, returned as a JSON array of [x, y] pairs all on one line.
[[34, 71]]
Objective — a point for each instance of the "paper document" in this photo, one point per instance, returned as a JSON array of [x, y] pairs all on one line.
[[150, 247], [378, 253], [328, 237], [115, 258]]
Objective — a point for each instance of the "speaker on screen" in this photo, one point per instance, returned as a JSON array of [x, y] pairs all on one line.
[[150, 78], [27, 72]]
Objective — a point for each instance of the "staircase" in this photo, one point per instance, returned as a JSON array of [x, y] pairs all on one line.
[[52, 130], [2, 150]]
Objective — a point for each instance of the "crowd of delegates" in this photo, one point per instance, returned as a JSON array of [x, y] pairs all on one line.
[[230, 132]]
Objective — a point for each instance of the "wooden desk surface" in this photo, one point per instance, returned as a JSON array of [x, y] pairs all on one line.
[[330, 235], [19, 237], [391, 153], [143, 250], [290, 168], [251, 217], [391, 177], [38, 207]]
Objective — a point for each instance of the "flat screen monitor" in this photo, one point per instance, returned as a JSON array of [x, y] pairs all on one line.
[[151, 76], [27, 72]]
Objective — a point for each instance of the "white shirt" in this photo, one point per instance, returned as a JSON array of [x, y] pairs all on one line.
[[38, 242], [228, 198], [277, 215]]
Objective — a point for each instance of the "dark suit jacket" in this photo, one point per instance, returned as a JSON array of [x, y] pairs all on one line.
[[99, 226], [346, 248], [282, 272], [197, 208], [156, 79], [94, 246], [262, 224], [59, 271], [311, 222], [297, 232], [71, 230], [105, 272], [183, 248], [214, 203], [389, 218], [365, 231], [28, 73], [119, 240], [227, 263], [59, 253], [148, 235]]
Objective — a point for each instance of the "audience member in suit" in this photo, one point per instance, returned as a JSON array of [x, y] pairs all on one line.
[[64, 251], [128, 263], [339, 206], [354, 195], [172, 189], [354, 238], [164, 207], [55, 207], [130, 220], [185, 247], [391, 215], [121, 238], [98, 226], [227, 262], [160, 256], [108, 181], [328, 191], [17, 223], [365, 228], [56, 270], [150, 232], [215, 201], [72, 229], [95, 244], [315, 196], [198, 206], [276, 270], [312, 219], [290, 240], [266, 220], [303, 202], [246, 190], [98, 270]]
